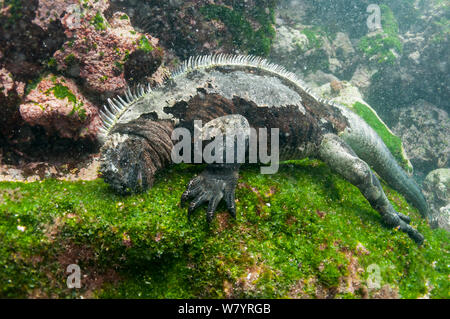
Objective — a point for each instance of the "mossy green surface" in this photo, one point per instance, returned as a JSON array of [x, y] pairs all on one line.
[[99, 22], [301, 227], [313, 37], [145, 45], [63, 92], [381, 45], [393, 142], [245, 37]]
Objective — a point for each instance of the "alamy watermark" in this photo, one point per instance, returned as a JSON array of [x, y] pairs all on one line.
[[374, 19], [74, 279], [226, 145], [374, 278]]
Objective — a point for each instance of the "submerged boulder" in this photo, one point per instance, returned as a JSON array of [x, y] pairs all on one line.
[[11, 92], [437, 191], [106, 54], [425, 131], [58, 105]]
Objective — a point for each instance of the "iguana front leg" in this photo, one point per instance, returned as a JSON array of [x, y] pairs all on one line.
[[341, 158], [215, 183], [218, 181]]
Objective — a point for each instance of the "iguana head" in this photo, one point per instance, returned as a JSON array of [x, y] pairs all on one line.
[[133, 152], [122, 164]]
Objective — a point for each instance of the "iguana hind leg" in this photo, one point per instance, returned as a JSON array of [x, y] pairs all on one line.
[[341, 158]]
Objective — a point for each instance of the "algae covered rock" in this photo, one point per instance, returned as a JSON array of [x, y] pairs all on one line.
[[425, 131], [99, 51], [310, 49], [437, 191], [302, 233], [59, 107], [195, 27], [26, 45]]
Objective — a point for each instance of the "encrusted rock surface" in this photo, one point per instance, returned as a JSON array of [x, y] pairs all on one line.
[[49, 10], [25, 45], [437, 191], [59, 107], [99, 51], [425, 131]]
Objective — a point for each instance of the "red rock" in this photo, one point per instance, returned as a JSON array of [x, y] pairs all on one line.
[[50, 10], [7, 84], [57, 105], [100, 49]]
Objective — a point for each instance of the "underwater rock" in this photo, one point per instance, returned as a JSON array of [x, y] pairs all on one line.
[[58, 105], [400, 63], [141, 65], [343, 45], [362, 77], [425, 131], [336, 86], [309, 51], [302, 49], [180, 25], [11, 93], [100, 50], [8, 86], [292, 11], [422, 71], [25, 45], [288, 41], [49, 11], [437, 191], [320, 78], [201, 27]]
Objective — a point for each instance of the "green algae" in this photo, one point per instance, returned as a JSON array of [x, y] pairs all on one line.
[[314, 39], [297, 226], [393, 142], [379, 47], [99, 22], [257, 42], [63, 92], [145, 45]]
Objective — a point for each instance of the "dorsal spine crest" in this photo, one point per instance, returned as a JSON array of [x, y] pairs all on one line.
[[118, 106]]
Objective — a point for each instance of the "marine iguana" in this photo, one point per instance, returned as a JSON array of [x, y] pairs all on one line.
[[136, 133]]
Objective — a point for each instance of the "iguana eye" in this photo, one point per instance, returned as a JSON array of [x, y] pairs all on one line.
[[123, 162]]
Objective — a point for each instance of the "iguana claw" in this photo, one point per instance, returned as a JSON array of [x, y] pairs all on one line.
[[212, 185], [405, 218]]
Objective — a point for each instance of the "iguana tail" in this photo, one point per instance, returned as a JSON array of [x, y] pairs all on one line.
[[367, 144]]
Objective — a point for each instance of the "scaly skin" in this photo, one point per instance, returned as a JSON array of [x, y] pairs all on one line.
[[137, 133]]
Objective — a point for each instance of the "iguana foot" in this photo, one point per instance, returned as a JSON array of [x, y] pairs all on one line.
[[405, 218], [217, 182], [344, 161], [396, 221]]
